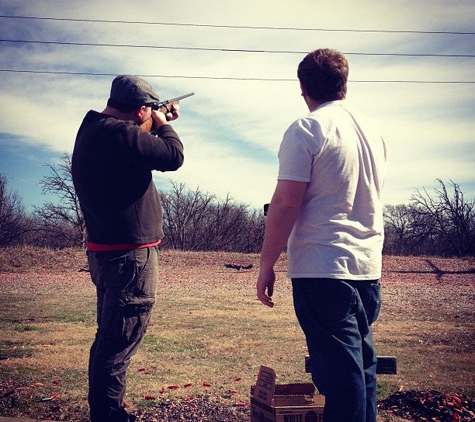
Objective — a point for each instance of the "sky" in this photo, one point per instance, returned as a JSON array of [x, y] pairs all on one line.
[[412, 69]]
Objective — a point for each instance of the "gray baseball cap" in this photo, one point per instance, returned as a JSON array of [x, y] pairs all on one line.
[[132, 90]]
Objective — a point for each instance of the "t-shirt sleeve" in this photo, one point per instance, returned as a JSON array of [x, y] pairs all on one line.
[[297, 151]]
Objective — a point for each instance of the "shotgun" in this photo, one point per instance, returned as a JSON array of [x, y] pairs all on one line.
[[162, 106]]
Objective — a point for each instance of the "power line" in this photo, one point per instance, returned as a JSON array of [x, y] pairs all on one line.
[[273, 28], [228, 50], [60, 72]]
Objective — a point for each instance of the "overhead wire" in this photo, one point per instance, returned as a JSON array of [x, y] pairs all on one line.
[[231, 78], [231, 50], [257, 27]]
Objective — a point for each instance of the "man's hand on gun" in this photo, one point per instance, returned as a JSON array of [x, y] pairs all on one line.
[[165, 114], [171, 111]]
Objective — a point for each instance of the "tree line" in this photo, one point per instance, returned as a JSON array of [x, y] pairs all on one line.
[[442, 223], [192, 220]]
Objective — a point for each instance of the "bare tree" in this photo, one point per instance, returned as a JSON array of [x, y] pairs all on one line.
[[13, 219], [194, 221], [397, 228], [184, 215], [226, 226], [61, 222], [252, 242], [447, 220], [407, 231]]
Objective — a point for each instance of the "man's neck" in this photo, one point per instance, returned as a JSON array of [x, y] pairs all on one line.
[[111, 111], [314, 104]]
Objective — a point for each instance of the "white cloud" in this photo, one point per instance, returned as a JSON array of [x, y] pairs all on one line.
[[232, 129]]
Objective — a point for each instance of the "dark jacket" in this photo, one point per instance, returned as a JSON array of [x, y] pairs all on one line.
[[112, 167]]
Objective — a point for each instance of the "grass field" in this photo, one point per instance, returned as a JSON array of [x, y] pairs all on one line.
[[209, 335]]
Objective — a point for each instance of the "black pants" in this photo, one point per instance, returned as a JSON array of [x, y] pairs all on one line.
[[126, 284]]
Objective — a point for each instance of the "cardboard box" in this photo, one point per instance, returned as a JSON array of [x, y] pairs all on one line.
[[271, 402]]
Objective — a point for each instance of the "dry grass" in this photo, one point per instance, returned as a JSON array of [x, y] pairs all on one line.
[[208, 328]]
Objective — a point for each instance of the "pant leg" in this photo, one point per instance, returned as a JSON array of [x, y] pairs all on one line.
[[339, 340], [369, 293], [126, 285]]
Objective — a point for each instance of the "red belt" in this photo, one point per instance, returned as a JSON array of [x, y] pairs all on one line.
[[98, 247]]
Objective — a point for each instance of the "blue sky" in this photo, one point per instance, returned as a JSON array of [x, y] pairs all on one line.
[[244, 79]]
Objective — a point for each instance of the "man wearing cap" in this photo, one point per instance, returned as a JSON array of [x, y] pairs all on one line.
[[112, 166]]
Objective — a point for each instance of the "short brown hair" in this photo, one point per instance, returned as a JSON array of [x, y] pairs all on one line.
[[324, 73]]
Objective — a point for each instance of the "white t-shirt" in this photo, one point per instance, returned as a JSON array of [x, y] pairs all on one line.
[[339, 231]]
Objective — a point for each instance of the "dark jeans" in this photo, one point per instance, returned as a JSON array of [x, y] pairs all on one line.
[[336, 318], [126, 284]]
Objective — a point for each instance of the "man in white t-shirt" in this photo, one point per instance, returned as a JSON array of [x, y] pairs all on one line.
[[327, 207]]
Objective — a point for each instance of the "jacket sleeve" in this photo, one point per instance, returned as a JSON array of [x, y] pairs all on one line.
[[162, 151]]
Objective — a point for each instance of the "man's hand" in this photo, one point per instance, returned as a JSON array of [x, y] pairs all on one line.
[[283, 211], [166, 114], [265, 286], [171, 111]]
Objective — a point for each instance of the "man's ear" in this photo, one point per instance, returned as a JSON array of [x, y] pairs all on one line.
[[140, 112], [303, 90]]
